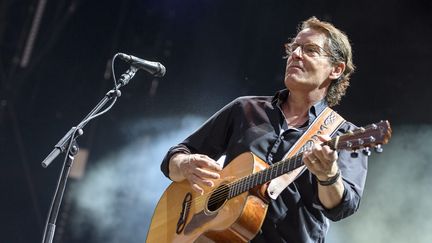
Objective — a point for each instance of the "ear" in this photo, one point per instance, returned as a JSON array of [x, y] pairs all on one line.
[[337, 70]]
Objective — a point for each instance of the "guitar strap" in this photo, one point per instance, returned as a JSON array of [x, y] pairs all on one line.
[[327, 123]]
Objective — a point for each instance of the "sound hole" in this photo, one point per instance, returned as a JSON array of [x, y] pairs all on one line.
[[218, 198]]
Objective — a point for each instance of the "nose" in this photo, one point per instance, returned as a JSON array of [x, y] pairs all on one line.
[[297, 53]]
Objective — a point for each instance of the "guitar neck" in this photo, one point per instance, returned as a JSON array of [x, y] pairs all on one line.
[[364, 137], [277, 169], [286, 165]]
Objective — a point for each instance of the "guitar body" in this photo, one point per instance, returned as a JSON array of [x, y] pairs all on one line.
[[182, 215]]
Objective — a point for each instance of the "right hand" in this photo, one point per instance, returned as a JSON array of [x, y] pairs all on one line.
[[199, 169]]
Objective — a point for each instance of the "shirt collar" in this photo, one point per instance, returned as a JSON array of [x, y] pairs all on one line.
[[316, 109]]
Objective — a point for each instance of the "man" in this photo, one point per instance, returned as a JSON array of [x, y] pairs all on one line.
[[319, 65]]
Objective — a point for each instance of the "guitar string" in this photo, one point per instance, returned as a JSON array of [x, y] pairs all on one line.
[[247, 182], [220, 194], [243, 182]]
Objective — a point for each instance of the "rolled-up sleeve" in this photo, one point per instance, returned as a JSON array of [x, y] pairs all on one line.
[[353, 171]]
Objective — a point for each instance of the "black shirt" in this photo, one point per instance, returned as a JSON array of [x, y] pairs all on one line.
[[257, 124]]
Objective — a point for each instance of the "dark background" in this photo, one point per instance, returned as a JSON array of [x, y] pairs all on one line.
[[214, 51]]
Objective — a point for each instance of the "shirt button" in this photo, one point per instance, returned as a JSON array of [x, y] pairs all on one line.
[[282, 137]]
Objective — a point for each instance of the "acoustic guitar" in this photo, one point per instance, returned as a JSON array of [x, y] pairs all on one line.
[[234, 209]]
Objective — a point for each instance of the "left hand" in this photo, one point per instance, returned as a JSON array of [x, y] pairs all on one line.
[[321, 160]]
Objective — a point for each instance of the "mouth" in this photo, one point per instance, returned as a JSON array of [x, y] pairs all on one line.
[[295, 67]]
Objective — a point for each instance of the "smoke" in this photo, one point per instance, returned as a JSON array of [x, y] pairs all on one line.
[[397, 198], [115, 201]]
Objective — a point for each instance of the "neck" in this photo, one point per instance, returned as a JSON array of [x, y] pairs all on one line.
[[297, 105]]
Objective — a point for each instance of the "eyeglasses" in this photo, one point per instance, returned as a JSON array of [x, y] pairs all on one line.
[[308, 49]]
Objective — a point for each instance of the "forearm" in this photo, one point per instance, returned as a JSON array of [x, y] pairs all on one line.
[[330, 196], [343, 199]]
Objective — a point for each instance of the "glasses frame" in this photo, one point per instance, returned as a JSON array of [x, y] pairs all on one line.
[[289, 49]]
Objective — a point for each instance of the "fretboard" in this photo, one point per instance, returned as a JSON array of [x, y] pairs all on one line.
[[363, 137], [286, 165], [277, 169]]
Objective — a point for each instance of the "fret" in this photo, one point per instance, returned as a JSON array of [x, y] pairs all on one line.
[[277, 170], [288, 165], [285, 166], [233, 189], [263, 176], [242, 184], [292, 164], [299, 160], [282, 168], [248, 182], [238, 184], [258, 181], [245, 184], [253, 180]]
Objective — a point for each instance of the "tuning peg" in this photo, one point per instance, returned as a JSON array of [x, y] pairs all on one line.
[[378, 148], [366, 151], [354, 154]]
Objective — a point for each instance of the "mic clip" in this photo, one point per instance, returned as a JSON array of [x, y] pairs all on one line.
[[127, 76]]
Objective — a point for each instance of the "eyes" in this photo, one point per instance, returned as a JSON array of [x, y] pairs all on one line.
[[308, 49]]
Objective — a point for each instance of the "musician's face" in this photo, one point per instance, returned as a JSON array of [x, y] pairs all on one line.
[[308, 66]]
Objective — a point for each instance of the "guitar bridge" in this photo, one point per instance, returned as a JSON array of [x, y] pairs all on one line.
[[184, 213]]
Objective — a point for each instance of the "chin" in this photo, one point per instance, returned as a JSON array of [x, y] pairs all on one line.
[[292, 79], [295, 84]]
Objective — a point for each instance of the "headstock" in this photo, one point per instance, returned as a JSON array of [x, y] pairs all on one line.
[[373, 135]]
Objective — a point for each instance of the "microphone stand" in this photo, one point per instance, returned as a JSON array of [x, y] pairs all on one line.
[[69, 145]]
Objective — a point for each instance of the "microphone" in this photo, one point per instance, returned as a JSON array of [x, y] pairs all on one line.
[[154, 68]]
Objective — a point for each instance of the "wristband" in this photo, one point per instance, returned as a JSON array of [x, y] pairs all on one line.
[[332, 180]]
